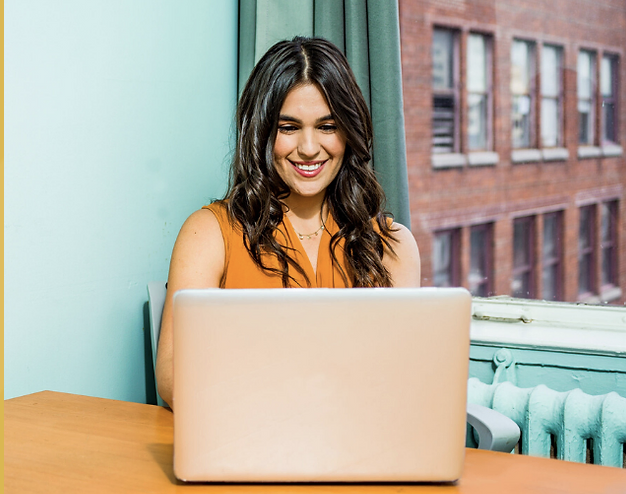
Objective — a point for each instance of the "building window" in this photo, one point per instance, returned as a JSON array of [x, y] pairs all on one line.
[[478, 92], [608, 243], [551, 97], [522, 281], [445, 92], [551, 256], [522, 63], [446, 250], [586, 251], [481, 260], [586, 81], [608, 85]]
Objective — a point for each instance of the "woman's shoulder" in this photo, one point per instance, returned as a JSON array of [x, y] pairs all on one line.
[[404, 263]]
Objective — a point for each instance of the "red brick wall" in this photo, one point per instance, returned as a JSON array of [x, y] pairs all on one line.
[[464, 196]]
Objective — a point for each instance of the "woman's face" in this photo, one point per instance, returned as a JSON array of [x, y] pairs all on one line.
[[309, 148]]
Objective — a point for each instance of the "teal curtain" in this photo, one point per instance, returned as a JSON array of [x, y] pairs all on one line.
[[368, 32]]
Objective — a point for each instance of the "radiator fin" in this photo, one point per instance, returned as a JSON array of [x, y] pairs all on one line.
[[563, 423]]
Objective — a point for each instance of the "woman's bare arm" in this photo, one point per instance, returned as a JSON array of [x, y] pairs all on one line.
[[197, 262], [404, 266]]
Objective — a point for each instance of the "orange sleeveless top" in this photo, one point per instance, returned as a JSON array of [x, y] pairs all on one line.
[[240, 270]]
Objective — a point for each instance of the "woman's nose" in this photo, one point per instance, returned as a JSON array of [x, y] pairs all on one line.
[[308, 145]]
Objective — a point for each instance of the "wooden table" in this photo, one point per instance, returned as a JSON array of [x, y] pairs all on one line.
[[57, 442]]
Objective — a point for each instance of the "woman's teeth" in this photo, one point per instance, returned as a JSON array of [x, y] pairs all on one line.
[[308, 168]]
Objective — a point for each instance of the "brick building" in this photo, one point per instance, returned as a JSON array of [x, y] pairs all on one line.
[[515, 126]]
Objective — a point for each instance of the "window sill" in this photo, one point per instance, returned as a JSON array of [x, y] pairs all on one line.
[[589, 152], [483, 158], [612, 150], [525, 155], [561, 326], [555, 154], [610, 294], [448, 160]]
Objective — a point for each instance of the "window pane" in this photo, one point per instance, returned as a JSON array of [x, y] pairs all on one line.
[[520, 67], [443, 124], [605, 224], [478, 262], [550, 232], [476, 63], [585, 74], [550, 71], [549, 282], [606, 77], [442, 259], [477, 121], [520, 285], [443, 59], [551, 261], [608, 243], [521, 121], [549, 122], [584, 120], [608, 121], [586, 251], [521, 254]]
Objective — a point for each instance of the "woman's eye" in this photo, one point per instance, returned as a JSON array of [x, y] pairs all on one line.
[[287, 129], [328, 128]]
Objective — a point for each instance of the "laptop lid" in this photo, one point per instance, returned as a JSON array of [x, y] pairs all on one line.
[[284, 385]]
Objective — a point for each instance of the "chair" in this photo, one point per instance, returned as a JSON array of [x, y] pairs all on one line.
[[496, 432]]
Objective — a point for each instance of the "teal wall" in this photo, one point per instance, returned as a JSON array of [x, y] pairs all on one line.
[[118, 124]]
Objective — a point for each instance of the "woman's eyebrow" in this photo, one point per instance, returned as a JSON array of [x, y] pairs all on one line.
[[289, 118]]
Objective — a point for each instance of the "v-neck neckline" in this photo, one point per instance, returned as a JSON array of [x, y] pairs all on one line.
[[312, 274]]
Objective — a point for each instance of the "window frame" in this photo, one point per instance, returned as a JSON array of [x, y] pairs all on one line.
[[454, 92]]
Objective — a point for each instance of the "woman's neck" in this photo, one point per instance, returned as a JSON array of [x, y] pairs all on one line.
[[305, 208]]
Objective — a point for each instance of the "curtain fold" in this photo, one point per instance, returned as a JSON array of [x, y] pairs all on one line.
[[368, 32]]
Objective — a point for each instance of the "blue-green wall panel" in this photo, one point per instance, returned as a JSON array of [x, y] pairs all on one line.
[[118, 124]]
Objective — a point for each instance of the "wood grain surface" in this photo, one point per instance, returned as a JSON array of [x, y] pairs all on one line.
[[57, 442]]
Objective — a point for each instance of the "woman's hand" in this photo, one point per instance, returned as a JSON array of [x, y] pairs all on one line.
[[197, 262]]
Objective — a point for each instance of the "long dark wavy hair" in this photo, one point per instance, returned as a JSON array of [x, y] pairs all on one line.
[[354, 198]]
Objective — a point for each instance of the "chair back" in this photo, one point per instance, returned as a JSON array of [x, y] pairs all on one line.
[[156, 300]]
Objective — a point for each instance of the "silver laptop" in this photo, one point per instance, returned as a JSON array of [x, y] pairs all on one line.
[[332, 385]]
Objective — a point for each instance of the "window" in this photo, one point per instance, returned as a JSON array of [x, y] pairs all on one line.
[[446, 247], [608, 85], [481, 255], [445, 92], [608, 243], [551, 97], [522, 282], [586, 251], [478, 92], [586, 65], [551, 257], [522, 61]]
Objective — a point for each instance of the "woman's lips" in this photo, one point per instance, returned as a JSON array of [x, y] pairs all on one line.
[[308, 169]]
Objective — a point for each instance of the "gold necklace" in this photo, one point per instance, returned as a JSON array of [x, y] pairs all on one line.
[[308, 236]]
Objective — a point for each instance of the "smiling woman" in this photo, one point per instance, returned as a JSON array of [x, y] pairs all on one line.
[[304, 207]]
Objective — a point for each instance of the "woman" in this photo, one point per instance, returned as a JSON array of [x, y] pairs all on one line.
[[303, 208]]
